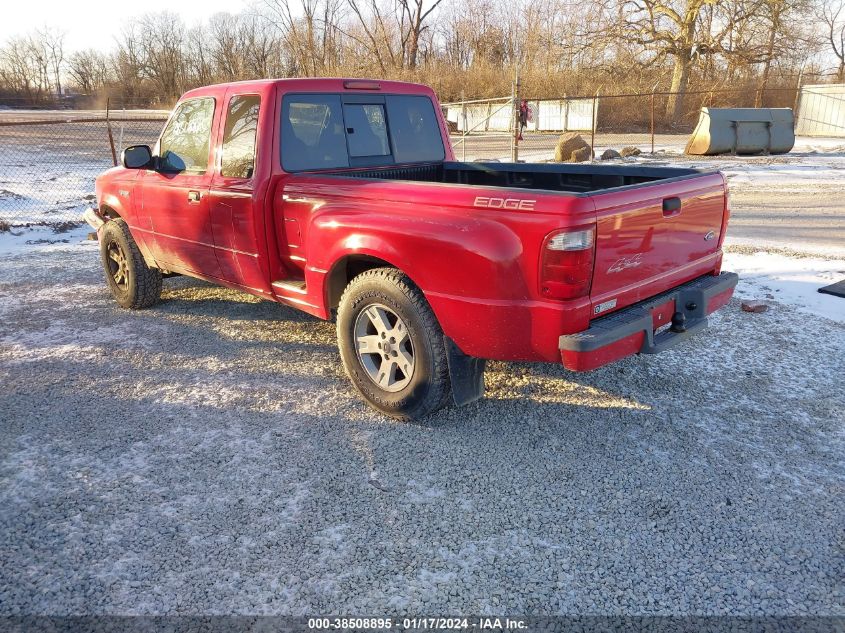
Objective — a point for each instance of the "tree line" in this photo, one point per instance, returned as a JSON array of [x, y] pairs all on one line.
[[470, 48]]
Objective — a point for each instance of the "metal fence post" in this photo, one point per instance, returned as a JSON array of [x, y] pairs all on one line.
[[120, 135], [515, 117], [652, 121], [595, 122], [797, 95], [465, 127], [565, 113], [111, 138]]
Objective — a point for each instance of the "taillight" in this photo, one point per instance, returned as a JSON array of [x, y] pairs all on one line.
[[566, 265]]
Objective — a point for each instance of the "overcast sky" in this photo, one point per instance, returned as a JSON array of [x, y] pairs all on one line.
[[95, 23]]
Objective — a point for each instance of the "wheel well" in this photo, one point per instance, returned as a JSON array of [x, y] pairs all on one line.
[[108, 212], [345, 270]]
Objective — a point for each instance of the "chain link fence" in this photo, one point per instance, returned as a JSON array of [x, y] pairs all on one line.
[[484, 129], [48, 160]]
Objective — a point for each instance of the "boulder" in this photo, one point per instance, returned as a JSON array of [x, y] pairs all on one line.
[[610, 154], [569, 143], [630, 151], [582, 154]]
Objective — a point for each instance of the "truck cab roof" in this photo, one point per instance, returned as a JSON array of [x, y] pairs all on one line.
[[322, 84]]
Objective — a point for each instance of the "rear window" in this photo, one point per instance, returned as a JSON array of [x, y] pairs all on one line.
[[366, 129], [414, 128], [329, 131]]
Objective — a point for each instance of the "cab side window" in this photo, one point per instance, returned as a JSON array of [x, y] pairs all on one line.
[[185, 141], [238, 151], [313, 136]]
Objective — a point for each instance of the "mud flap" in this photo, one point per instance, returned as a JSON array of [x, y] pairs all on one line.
[[837, 289], [466, 374]]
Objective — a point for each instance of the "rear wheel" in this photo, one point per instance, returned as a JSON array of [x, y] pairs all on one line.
[[132, 283], [392, 345]]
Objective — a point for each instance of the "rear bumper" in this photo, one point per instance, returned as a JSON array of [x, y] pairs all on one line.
[[631, 331]]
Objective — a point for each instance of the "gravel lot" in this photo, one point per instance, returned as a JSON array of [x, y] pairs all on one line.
[[209, 456]]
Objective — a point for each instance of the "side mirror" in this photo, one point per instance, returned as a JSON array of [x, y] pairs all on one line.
[[136, 157]]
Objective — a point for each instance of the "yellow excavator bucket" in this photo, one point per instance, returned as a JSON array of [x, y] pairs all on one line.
[[742, 131]]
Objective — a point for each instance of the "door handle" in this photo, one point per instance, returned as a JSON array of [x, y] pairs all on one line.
[[671, 207], [194, 196]]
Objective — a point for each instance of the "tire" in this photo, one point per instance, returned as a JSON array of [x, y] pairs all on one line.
[[383, 320], [132, 283]]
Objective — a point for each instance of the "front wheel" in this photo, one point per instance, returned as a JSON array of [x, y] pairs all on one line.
[[392, 345], [132, 283]]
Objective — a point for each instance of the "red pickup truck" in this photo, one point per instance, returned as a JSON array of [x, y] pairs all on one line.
[[344, 195]]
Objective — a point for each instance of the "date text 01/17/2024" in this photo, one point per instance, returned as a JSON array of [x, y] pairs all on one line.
[[421, 623]]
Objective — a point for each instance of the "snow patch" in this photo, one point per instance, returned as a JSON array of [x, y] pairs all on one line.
[[790, 280], [44, 239]]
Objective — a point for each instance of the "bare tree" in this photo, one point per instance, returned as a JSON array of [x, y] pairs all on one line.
[[782, 32], [391, 32], [89, 69], [683, 31], [459, 46], [414, 14], [199, 66], [161, 53], [776, 11], [832, 16], [23, 68], [378, 34], [472, 35], [309, 29], [127, 63], [52, 41], [225, 46], [262, 49]]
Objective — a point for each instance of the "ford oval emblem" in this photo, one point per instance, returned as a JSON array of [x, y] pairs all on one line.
[[710, 235]]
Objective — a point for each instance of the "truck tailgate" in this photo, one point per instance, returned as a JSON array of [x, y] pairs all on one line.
[[655, 236]]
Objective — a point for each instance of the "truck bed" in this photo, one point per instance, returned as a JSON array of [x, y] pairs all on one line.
[[571, 178], [655, 227]]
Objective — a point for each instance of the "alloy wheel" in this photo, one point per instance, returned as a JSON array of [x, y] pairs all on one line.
[[118, 264], [384, 347]]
